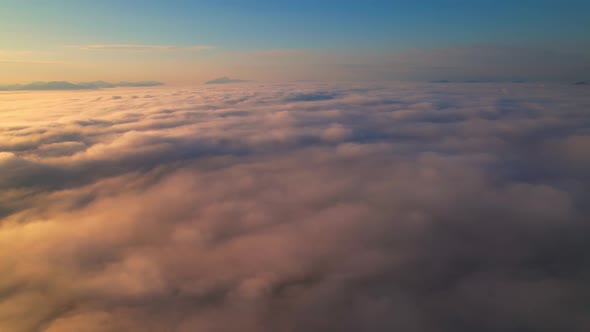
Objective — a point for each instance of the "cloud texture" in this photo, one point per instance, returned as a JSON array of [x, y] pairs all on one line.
[[296, 207]]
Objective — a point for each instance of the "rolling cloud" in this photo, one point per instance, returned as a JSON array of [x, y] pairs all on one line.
[[296, 207]]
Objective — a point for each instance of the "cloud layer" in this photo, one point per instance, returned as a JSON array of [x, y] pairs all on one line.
[[296, 207]]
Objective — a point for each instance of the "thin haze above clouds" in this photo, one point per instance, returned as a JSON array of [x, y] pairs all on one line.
[[296, 207], [127, 47]]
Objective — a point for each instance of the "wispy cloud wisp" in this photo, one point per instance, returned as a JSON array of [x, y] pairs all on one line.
[[143, 48]]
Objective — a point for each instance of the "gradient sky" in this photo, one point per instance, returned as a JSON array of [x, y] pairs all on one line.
[[186, 41]]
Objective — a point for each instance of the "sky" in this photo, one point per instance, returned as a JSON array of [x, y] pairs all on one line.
[[190, 41]]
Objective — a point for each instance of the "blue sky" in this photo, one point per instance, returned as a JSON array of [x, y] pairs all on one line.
[[349, 28]]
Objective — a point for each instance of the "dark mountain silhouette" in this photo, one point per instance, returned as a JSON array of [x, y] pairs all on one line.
[[225, 80], [63, 85]]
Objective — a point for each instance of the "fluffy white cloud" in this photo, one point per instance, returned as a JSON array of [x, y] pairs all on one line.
[[295, 207]]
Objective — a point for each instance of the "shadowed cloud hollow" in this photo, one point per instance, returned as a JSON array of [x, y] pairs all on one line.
[[296, 207]]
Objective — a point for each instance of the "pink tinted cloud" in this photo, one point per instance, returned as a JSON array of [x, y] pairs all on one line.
[[299, 207]]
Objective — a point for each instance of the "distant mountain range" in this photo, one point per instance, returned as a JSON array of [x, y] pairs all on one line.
[[496, 81], [225, 80], [479, 81], [63, 85]]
